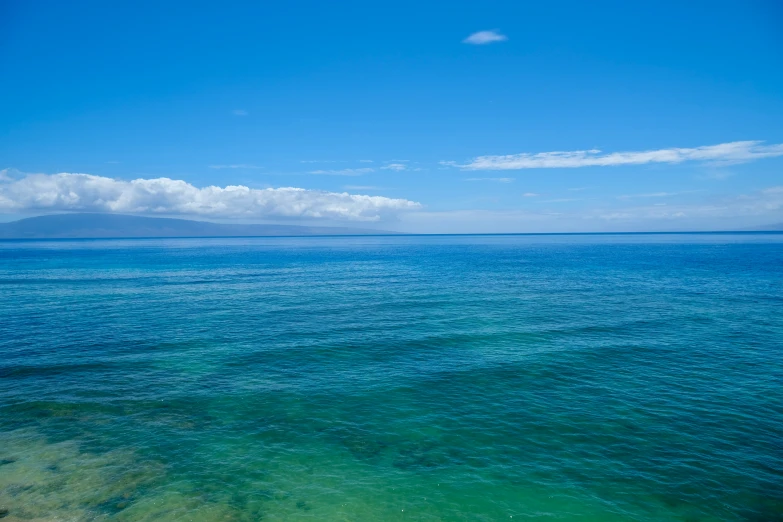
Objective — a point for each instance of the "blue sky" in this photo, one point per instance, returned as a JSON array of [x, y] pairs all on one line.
[[410, 116]]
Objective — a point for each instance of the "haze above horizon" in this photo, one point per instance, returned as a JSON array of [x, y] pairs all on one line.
[[498, 117]]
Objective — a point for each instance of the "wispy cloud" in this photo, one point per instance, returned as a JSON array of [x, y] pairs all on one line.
[[765, 204], [725, 153], [750, 210], [394, 166], [657, 194], [365, 161], [239, 112], [499, 180], [85, 192], [485, 37], [237, 166], [361, 187], [530, 195], [343, 172]]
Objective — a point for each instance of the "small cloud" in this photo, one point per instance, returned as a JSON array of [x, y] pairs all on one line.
[[318, 161], [499, 180], [343, 172], [561, 200], [530, 195], [577, 189], [365, 161], [238, 166], [394, 166], [717, 173], [239, 112], [485, 37]]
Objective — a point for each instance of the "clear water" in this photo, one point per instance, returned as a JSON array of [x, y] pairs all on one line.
[[594, 378]]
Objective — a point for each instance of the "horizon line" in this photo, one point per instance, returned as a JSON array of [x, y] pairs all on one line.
[[404, 234]]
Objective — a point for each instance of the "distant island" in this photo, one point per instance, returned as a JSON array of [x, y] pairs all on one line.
[[97, 225], [104, 225]]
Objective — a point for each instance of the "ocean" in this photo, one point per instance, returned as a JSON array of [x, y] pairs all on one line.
[[633, 377]]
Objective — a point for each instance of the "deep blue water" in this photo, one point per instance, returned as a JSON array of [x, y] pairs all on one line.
[[601, 378]]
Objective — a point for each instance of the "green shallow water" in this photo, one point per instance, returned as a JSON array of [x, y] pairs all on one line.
[[594, 378]]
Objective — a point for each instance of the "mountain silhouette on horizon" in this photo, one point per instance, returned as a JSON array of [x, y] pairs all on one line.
[[100, 225]]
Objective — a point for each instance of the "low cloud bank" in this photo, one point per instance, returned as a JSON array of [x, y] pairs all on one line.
[[88, 193], [752, 211]]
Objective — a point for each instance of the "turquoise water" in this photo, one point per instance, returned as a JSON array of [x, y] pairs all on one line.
[[594, 378]]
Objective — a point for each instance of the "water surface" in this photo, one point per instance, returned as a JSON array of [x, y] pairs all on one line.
[[593, 378]]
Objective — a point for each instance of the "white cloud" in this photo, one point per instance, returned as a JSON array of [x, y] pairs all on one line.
[[725, 153], [395, 166], [485, 37], [365, 161], [238, 166], [499, 180], [657, 194], [343, 172], [85, 192], [530, 195], [239, 112]]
